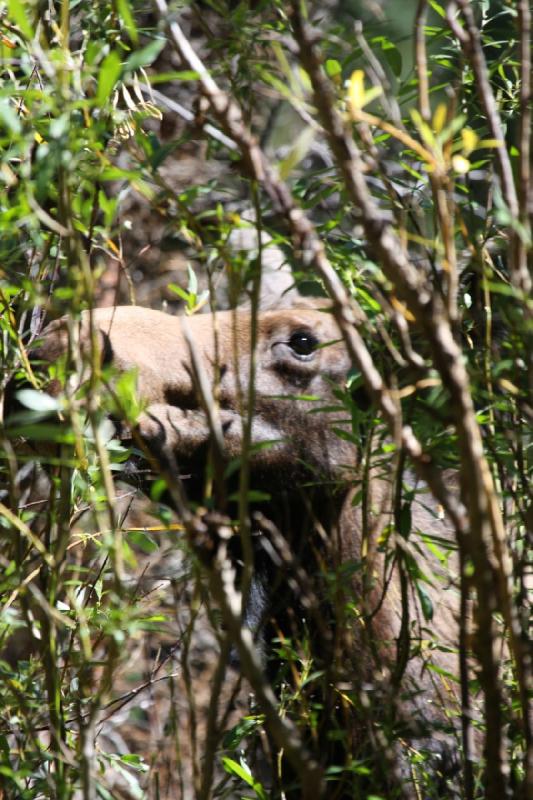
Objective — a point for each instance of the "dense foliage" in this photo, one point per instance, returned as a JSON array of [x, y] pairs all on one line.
[[107, 679]]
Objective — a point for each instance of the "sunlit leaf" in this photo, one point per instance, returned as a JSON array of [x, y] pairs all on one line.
[[469, 139], [37, 401], [439, 117], [18, 13], [127, 17], [109, 74], [356, 90]]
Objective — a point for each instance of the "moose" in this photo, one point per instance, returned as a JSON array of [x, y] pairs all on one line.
[[327, 549]]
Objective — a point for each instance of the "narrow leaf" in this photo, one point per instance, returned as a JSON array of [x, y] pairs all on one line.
[[109, 74]]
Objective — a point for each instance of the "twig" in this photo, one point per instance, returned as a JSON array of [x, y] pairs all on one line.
[[313, 252], [222, 582], [486, 541], [421, 61], [441, 185], [481, 533], [188, 116], [470, 39]]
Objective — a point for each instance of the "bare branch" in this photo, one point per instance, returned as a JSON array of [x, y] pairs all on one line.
[[486, 542], [312, 251], [484, 537], [222, 581]]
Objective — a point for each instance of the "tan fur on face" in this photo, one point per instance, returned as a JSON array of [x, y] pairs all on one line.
[[174, 424], [154, 344]]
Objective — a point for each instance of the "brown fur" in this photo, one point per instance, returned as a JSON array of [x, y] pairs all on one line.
[[175, 428]]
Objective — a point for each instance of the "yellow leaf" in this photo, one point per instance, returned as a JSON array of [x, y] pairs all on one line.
[[112, 246], [460, 164], [423, 128], [491, 143], [356, 91], [470, 140], [7, 42], [404, 311], [439, 117], [507, 386]]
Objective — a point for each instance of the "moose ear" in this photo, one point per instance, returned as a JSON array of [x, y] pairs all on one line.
[[277, 282], [54, 341]]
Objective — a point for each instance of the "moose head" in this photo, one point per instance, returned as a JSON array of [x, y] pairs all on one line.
[[201, 383]]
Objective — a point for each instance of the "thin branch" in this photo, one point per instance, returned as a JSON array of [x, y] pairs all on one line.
[[421, 61], [470, 38], [187, 115], [222, 582], [484, 536], [486, 542], [312, 251]]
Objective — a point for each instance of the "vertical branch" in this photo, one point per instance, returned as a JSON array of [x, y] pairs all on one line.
[[421, 61], [486, 543], [212, 725], [525, 190], [443, 198], [525, 184], [441, 190], [470, 40], [244, 484], [466, 709]]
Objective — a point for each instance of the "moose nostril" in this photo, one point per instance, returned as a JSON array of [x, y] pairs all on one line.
[[303, 343]]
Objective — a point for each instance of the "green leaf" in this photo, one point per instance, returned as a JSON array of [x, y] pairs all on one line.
[[245, 727], [183, 293], [157, 489], [391, 53], [144, 57], [127, 395], [333, 68], [426, 602], [42, 433], [8, 117], [18, 13], [124, 11], [109, 206], [437, 8], [193, 281], [143, 541], [179, 75], [135, 761], [242, 771], [109, 74]]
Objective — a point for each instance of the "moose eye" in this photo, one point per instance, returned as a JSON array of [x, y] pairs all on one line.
[[302, 343]]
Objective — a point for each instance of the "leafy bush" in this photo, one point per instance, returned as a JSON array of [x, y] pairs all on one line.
[[413, 173]]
